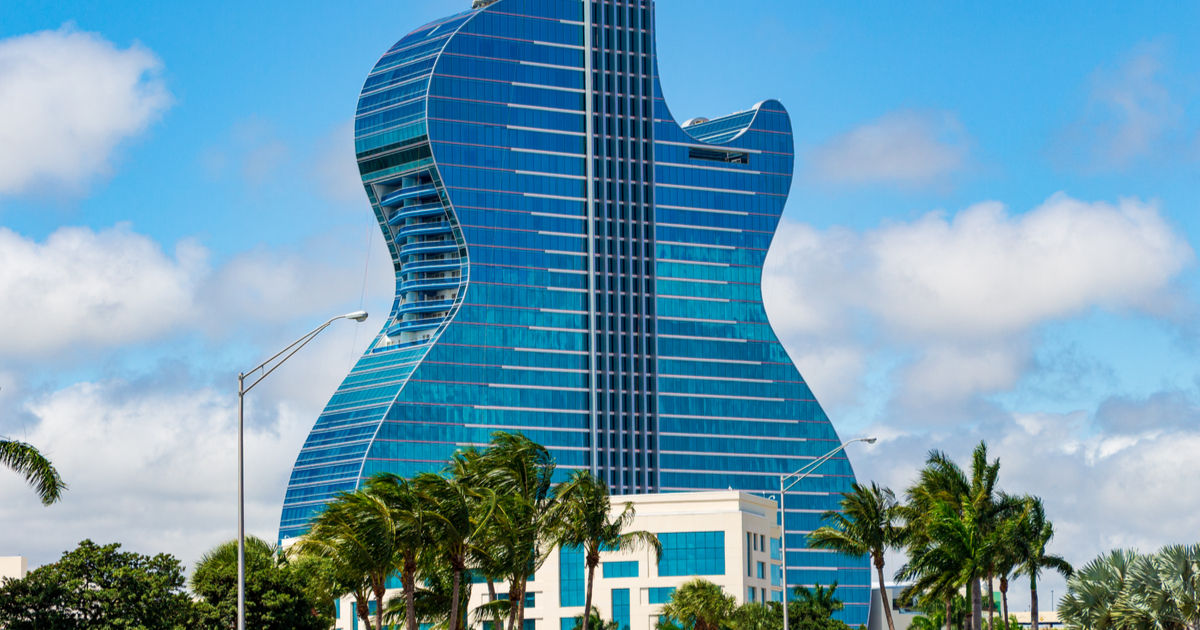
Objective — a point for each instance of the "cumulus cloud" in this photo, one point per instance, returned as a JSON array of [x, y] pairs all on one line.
[[962, 296], [67, 100], [81, 288], [1131, 115], [1105, 484], [905, 148]]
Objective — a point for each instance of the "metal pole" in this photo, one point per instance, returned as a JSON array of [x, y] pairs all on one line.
[[241, 508], [783, 552]]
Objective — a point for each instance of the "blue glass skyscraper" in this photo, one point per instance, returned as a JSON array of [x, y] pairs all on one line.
[[574, 264]]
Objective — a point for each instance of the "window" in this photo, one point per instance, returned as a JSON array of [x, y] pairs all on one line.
[[776, 549], [566, 623], [621, 569], [530, 599], [692, 553], [570, 576], [749, 558], [762, 571], [750, 594], [660, 594], [620, 608]]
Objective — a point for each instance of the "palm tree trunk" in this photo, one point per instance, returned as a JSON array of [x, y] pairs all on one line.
[[1004, 599], [1033, 608], [991, 605], [364, 613], [380, 588], [587, 599], [453, 621], [976, 605], [515, 596], [410, 590], [887, 610], [949, 600], [521, 605], [498, 621]]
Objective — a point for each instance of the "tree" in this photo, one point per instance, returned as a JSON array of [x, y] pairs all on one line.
[[584, 518], [278, 594], [865, 526], [337, 534], [953, 554], [594, 621], [759, 616], [1094, 592], [1034, 532], [411, 533], [700, 605], [97, 586], [458, 514], [24, 459]]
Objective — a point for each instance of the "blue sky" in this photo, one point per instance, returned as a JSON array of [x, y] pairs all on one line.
[[990, 235]]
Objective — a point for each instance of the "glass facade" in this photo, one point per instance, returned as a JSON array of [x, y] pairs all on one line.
[[571, 576], [626, 569], [692, 553], [573, 263], [620, 608]]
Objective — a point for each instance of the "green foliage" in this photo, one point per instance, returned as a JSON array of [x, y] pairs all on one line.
[[759, 616], [279, 595], [700, 605], [595, 621], [1125, 590], [99, 587], [24, 459]]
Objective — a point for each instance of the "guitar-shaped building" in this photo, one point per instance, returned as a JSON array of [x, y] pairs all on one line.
[[574, 264]]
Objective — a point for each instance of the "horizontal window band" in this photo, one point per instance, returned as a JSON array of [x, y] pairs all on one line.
[[549, 350], [559, 175], [540, 152], [561, 310], [692, 298], [699, 227], [518, 128], [689, 209], [721, 396], [715, 378], [567, 234], [535, 409], [566, 330], [711, 168], [549, 87], [562, 253], [700, 245], [702, 338], [541, 196], [727, 418], [724, 436], [701, 320], [518, 427], [695, 280], [542, 109], [541, 369], [700, 146], [706, 360], [706, 189], [694, 262]]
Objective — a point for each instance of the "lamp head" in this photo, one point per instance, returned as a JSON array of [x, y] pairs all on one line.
[[357, 316], [869, 440]]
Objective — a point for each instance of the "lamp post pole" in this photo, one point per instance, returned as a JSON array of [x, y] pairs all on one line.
[[295, 346], [804, 471]]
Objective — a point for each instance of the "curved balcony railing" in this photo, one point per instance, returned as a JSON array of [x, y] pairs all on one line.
[[426, 306], [431, 284], [445, 264], [415, 229], [415, 324], [429, 247], [408, 192], [419, 210]]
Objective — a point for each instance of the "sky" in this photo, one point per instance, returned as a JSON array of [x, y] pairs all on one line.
[[991, 236]]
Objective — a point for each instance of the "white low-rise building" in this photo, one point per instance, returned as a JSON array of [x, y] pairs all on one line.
[[13, 568], [730, 538]]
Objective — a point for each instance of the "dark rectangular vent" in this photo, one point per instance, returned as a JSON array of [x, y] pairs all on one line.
[[720, 155]]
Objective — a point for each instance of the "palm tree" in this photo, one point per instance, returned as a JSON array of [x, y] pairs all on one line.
[[336, 535], [1094, 592], [943, 481], [1036, 533], [458, 514], [411, 533], [584, 519], [700, 605], [864, 526], [595, 621], [953, 554], [521, 473], [817, 602], [24, 459]]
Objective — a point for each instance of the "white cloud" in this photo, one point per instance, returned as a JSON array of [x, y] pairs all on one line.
[[962, 296], [67, 99], [905, 147], [1132, 115], [1104, 487], [335, 168], [82, 289]]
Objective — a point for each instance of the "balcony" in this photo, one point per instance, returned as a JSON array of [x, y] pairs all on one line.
[[429, 247], [415, 324], [408, 192], [416, 229], [431, 284], [419, 210], [445, 264], [426, 306]]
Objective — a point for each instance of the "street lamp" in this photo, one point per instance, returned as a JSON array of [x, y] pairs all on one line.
[[295, 346], [805, 471]]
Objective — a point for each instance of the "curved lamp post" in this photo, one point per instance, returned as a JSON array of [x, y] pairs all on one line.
[[274, 362], [805, 471]]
